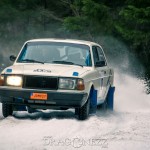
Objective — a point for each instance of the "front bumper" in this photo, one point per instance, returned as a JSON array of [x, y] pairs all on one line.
[[55, 99]]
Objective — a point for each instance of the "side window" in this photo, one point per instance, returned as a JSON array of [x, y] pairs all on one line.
[[101, 54], [95, 54]]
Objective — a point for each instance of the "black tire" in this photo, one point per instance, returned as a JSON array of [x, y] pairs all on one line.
[[76, 111], [7, 110], [83, 112]]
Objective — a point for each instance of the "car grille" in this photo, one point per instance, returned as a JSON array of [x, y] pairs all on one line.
[[38, 82]]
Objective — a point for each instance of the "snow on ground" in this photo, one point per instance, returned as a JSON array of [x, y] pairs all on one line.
[[127, 127]]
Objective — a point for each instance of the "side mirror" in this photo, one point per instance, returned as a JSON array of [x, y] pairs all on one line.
[[12, 58], [100, 64]]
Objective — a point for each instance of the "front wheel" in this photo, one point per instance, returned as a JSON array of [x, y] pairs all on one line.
[[83, 112], [7, 110]]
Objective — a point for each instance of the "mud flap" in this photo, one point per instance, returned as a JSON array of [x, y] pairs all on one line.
[[93, 102], [110, 98]]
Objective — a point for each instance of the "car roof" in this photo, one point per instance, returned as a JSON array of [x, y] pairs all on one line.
[[64, 41]]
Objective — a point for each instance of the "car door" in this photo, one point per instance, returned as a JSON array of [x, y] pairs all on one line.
[[105, 71], [102, 73]]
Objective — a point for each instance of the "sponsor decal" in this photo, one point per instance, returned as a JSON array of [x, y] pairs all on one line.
[[42, 70], [75, 74], [9, 70]]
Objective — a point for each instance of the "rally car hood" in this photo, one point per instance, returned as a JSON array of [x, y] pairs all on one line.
[[46, 70]]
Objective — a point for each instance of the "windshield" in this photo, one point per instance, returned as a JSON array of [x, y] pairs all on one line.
[[55, 52]]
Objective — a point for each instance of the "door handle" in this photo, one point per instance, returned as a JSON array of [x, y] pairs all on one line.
[[103, 71]]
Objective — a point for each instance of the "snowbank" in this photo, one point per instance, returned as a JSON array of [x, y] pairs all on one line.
[[125, 128]]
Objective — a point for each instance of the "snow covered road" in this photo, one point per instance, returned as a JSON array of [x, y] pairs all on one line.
[[128, 127]]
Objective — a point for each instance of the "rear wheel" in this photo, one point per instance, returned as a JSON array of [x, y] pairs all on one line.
[[105, 105], [7, 110], [83, 112]]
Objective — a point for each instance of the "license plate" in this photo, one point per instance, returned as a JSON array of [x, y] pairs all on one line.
[[38, 96]]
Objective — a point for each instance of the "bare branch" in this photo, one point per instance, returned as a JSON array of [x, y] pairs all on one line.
[[55, 17]]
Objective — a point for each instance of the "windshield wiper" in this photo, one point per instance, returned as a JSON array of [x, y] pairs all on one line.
[[67, 62], [31, 60]]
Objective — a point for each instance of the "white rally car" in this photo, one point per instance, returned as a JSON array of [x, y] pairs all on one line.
[[57, 74]]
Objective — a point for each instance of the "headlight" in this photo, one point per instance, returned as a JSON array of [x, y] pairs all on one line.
[[71, 84], [14, 80], [67, 83]]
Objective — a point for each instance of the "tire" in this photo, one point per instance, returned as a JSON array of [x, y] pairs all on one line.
[[83, 112], [7, 110], [76, 111]]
